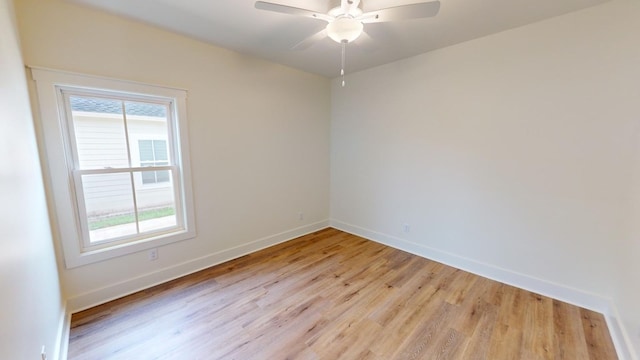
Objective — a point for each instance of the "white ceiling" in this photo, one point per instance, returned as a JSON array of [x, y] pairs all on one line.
[[237, 25]]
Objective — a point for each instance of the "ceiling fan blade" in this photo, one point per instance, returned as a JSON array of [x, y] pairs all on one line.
[[402, 12], [285, 9], [304, 44], [366, 43]]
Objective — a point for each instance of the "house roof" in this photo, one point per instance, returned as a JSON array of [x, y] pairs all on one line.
[[110, 106]]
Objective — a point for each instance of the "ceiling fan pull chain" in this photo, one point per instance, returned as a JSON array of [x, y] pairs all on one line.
[[344, 49]]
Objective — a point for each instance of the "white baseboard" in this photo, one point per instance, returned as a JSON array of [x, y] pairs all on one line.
[[114, 291], [619, 334], [62, 339], [544, 287]]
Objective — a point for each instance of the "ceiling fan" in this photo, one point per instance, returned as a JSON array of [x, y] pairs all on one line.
[[345, 23]]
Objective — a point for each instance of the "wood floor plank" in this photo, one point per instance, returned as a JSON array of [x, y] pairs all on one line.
[[332, 295], [423, 342], [597, 335], [569, 342], [480, 338], [538, 327]]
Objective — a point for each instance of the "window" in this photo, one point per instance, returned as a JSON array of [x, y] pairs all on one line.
[[118, 164], [153, 153]]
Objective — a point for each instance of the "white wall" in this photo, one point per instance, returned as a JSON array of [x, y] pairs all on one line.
[[259, 138], [627, 293], [31, 305], [512, 154]]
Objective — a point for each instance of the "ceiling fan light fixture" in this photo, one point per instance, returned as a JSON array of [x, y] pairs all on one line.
[[344, 29]]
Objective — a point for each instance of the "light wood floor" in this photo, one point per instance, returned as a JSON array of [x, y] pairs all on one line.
[[331, 295]]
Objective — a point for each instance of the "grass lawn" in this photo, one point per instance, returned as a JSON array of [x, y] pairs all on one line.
[[129, 218]]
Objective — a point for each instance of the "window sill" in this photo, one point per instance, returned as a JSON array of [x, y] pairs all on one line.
[[93, 256]]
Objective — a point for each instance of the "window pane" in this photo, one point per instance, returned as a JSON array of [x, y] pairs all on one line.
[[156, 205], [146, 151], [162, 176], [148, 177], [148, 130], [99, 131], [109, 205], [146, 109], [160, 150]]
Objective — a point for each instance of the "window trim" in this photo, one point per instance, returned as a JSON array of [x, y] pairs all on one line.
[[59, 168]]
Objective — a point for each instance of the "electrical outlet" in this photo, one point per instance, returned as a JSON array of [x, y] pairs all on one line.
[[43, 353], [406, 227], [301, 216], [153, 254]]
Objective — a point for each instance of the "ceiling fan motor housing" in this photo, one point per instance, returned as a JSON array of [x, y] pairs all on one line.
[[344, 29]]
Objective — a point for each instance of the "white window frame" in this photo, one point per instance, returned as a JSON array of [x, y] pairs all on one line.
[[61, 169]]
